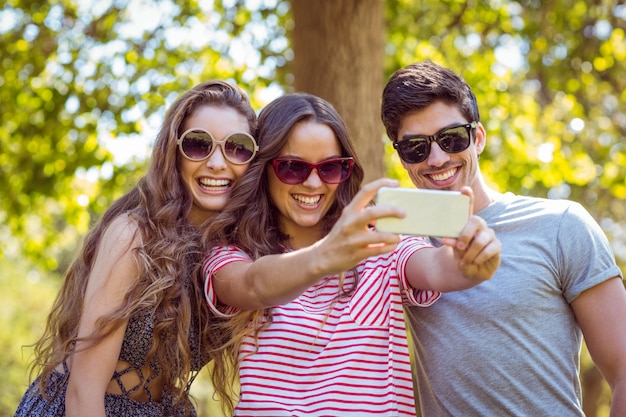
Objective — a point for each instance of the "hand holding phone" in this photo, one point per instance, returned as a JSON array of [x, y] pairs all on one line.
[[434, 213]]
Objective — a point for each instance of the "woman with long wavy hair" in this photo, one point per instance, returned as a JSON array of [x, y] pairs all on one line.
[[313, 292], [130, 329]]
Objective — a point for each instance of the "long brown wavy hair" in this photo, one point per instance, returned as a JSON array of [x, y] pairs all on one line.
[[250, 220], [159, 204]]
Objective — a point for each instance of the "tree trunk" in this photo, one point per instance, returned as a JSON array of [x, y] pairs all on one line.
[[338, 55]]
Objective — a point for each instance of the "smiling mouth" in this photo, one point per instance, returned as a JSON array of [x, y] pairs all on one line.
[[307, 200], [443, 176], [211, 184]]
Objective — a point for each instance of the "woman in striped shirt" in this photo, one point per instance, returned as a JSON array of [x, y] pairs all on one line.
[[312, 293]]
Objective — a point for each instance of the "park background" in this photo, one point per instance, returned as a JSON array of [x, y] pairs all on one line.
[[84, 85]]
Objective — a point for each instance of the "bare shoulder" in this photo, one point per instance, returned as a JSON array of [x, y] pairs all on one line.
[[116, 263], [123, 232]]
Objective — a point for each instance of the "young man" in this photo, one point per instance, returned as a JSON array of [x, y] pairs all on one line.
[[510, 346]]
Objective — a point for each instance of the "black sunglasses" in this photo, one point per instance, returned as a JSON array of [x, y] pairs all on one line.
[[198, 144], [416, 148], [295, 171]]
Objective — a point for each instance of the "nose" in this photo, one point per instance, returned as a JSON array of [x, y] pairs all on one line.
[[437, 156], [217, 161], [313, 180]]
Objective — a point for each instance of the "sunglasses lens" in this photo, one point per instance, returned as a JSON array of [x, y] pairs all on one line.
[[413, 151], [292, 172], [196, 145], [239, 148], [454, 140], [335, 172]]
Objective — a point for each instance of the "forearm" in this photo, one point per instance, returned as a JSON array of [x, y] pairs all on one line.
[[447, 275], [279, 279], [268, 281], [436, 269]]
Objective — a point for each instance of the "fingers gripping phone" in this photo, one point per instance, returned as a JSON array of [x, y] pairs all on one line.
[[434, 213]]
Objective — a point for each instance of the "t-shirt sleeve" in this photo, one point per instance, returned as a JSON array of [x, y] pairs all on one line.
[[584, 253], [413, 296], [215, 260]]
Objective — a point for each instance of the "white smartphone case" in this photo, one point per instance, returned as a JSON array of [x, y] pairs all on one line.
[[428, 212]]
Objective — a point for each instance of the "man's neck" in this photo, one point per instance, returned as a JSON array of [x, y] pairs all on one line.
[[483, 195]]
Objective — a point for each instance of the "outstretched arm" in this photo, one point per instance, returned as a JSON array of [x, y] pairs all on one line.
[[462, 262], [277, 279]]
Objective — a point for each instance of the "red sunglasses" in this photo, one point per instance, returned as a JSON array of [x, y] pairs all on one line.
[[295, 171]]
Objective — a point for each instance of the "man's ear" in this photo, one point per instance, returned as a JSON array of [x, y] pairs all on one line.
[[481, 138]]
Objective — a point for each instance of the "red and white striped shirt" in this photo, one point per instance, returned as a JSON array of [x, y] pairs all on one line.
[[351, 361]]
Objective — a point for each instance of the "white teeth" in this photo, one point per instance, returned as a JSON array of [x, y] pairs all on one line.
[[444, 176], [309, 201], [211, 182]]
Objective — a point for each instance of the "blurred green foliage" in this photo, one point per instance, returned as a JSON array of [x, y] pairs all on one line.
[[76, 74], [26, 297], [78, 77]]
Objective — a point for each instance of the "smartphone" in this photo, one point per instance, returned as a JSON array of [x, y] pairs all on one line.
[[434, 213]]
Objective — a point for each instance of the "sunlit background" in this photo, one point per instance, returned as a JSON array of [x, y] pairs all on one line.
[[84, 85]]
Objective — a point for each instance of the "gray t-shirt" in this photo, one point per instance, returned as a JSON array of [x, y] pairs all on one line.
[[511, 346]]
